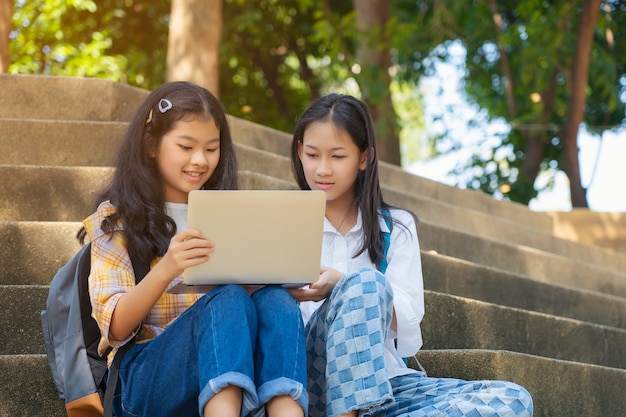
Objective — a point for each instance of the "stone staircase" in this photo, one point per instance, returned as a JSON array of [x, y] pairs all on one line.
[[507, 296]]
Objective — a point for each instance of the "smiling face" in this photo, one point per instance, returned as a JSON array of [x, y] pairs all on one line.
[[331, 161], [187, 157]]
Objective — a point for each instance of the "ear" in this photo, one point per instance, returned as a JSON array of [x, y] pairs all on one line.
[[148, 147], [300, 150], [363, 161]]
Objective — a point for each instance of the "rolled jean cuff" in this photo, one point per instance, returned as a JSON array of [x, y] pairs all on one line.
[[250, 399], [284, 386]]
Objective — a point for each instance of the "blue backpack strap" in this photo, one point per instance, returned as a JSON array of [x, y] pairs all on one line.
[[382, 264]]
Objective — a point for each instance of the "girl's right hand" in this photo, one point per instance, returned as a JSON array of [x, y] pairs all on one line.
[[187, 248], [321, 288]]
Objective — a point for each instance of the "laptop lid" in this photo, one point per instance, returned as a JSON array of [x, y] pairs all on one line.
[[260, 236]]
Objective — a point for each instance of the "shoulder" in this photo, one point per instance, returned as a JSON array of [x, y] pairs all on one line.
[[403, 226], [399, 216], [93, 223]]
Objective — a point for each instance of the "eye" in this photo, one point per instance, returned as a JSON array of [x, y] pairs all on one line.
[[338, 156], [211, 150], [311, 155], [184, 147]]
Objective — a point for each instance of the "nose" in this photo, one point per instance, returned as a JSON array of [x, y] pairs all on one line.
[[198, 158], [323, 167]]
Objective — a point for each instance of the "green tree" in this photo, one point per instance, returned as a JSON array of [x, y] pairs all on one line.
[[280, 55], [121, 40], [526, 63]]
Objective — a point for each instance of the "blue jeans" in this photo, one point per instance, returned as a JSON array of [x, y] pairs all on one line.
[[226, 338]]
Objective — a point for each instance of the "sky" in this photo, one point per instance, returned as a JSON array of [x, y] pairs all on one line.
[[602, 158]]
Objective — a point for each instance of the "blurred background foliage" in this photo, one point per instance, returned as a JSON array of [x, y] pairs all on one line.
[[276, 56]]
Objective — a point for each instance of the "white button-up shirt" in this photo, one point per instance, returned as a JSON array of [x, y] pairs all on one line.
[[404, 273]]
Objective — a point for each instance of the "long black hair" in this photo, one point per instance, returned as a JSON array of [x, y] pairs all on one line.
[[353, 117], [136, 189]]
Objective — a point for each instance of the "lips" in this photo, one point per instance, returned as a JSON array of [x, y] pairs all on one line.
[[324, 185], [194, 176]]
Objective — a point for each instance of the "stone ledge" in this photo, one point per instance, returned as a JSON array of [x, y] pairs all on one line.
[[559, 388]]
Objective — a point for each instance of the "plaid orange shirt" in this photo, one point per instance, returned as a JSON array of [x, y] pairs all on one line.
[[112, 276]]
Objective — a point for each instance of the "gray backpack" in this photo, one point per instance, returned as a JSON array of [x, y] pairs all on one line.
[[71, 335]]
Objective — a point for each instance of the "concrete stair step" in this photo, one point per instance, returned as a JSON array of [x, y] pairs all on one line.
[[523, 260], [454, 276], [27, 388], [602, 229], [23, 336], [559, 388], [60, 143], [95, 143], [32, 252], [483, 225], [50, 193], [67, 98], [453, 322], [46, 193]]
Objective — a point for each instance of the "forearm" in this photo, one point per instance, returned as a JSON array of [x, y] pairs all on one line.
[[134, 306]]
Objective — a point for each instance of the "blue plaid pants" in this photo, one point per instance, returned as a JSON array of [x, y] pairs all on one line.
[[346, 368]]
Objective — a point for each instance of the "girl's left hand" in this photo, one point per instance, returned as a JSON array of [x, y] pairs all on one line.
[[321, 288]]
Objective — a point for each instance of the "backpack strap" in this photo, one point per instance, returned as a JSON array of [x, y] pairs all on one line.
[[382, 264], [140, 270]]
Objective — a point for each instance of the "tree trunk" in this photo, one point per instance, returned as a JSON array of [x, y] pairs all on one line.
[[504, 59], [374, 79], [6, 14], [194, 41], [577, 99]]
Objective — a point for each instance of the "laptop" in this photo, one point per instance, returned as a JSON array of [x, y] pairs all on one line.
[[261, 237]]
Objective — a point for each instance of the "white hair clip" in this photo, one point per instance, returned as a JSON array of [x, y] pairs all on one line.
[[164, 105]]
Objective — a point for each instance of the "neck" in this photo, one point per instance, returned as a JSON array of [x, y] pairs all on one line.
[[342, 216]]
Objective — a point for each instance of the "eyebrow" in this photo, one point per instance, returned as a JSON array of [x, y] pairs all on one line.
[[191, 138], [338, 148]]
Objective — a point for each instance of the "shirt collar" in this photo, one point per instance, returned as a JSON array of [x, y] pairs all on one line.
[[328, 227]]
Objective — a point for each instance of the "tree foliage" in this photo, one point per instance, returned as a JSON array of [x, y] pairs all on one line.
[[121, 40], [536, 41]]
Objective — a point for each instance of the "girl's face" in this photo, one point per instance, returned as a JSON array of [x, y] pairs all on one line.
[[331, 161], [187, 157]]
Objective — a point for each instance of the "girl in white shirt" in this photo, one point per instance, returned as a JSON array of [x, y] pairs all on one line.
[[363, 314]]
